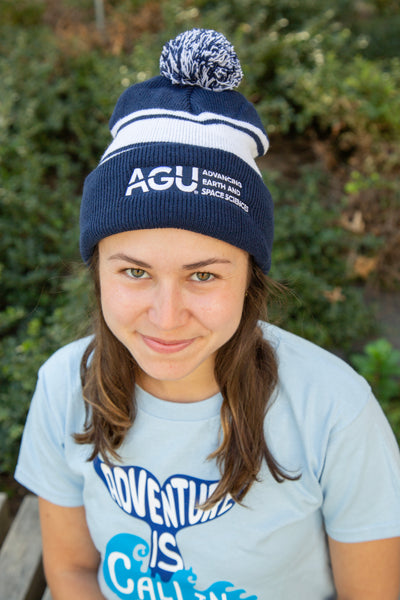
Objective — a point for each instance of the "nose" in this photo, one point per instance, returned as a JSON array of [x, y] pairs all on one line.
[[167, 309]]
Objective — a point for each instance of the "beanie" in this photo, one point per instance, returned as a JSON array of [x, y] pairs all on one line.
[[183, 154]]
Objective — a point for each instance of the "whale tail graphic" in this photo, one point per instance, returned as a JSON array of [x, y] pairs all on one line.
[[166, 508]]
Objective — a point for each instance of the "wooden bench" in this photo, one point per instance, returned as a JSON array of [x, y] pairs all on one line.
[[21, 569]]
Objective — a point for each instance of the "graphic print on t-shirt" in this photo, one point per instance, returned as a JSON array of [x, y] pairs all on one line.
[[132, 568]]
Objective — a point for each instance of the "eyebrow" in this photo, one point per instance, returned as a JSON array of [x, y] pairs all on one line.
[[206, 263], [197, 265], [129, 259]]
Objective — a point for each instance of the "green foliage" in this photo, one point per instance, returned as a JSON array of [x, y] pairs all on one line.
[[380, 365], [27, 346], [53, 128], [306, 65], [311, 252], [47, 142], [356, 100], [24, 13]]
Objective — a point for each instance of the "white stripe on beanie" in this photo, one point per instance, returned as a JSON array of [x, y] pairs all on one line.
[[169, 129]]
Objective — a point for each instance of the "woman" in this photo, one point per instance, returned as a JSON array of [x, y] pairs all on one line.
[[190, 450]]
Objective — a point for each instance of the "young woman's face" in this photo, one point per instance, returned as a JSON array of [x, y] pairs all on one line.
[[173, 298]]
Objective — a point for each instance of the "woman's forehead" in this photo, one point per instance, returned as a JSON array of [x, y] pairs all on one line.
[[180, 244]]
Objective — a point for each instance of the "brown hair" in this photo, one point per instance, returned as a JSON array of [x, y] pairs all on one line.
[[246, 371]]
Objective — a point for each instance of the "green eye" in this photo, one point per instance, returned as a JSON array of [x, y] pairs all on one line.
[[202, 276], [137, 273]]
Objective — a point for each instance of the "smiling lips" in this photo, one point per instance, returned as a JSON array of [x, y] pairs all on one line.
[[166, 346]]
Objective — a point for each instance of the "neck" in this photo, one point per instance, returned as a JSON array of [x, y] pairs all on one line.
[[183, 391]]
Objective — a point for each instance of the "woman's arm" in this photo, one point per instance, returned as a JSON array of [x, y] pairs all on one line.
[[366, 570], [69, 555]]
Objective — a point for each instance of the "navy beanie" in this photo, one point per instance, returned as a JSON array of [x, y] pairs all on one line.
[[183, 154]]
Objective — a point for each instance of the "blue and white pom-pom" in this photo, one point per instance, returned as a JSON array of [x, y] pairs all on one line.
[[201, 57]]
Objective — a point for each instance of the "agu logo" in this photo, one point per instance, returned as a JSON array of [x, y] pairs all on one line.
[[185, 179]]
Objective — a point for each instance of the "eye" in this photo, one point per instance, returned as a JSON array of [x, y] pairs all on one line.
[[202, 276], [137, 273]]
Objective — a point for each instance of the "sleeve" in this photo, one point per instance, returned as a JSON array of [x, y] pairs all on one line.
[[361, 479], [43, 466]]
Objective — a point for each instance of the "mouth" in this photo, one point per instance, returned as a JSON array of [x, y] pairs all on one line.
[[166, 346]]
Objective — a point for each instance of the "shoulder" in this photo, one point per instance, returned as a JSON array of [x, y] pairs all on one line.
[[298, 355], [50, 461], [59, 376], [313, 380], [58, 390], [66, 360]]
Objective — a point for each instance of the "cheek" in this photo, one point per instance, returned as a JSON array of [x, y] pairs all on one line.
[[116, 304], [222, 312]]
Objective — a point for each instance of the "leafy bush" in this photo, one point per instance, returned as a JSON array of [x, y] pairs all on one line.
[[53, 128], [380, 365], [311, 253]]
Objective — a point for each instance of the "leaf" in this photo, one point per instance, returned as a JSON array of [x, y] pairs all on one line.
[[354, 223], [363, 266], [335, 295]]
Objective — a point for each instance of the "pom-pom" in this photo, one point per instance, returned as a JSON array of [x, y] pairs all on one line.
[[201, 57]]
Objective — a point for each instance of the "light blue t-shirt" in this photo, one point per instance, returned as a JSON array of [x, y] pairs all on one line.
[[142, 513]]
